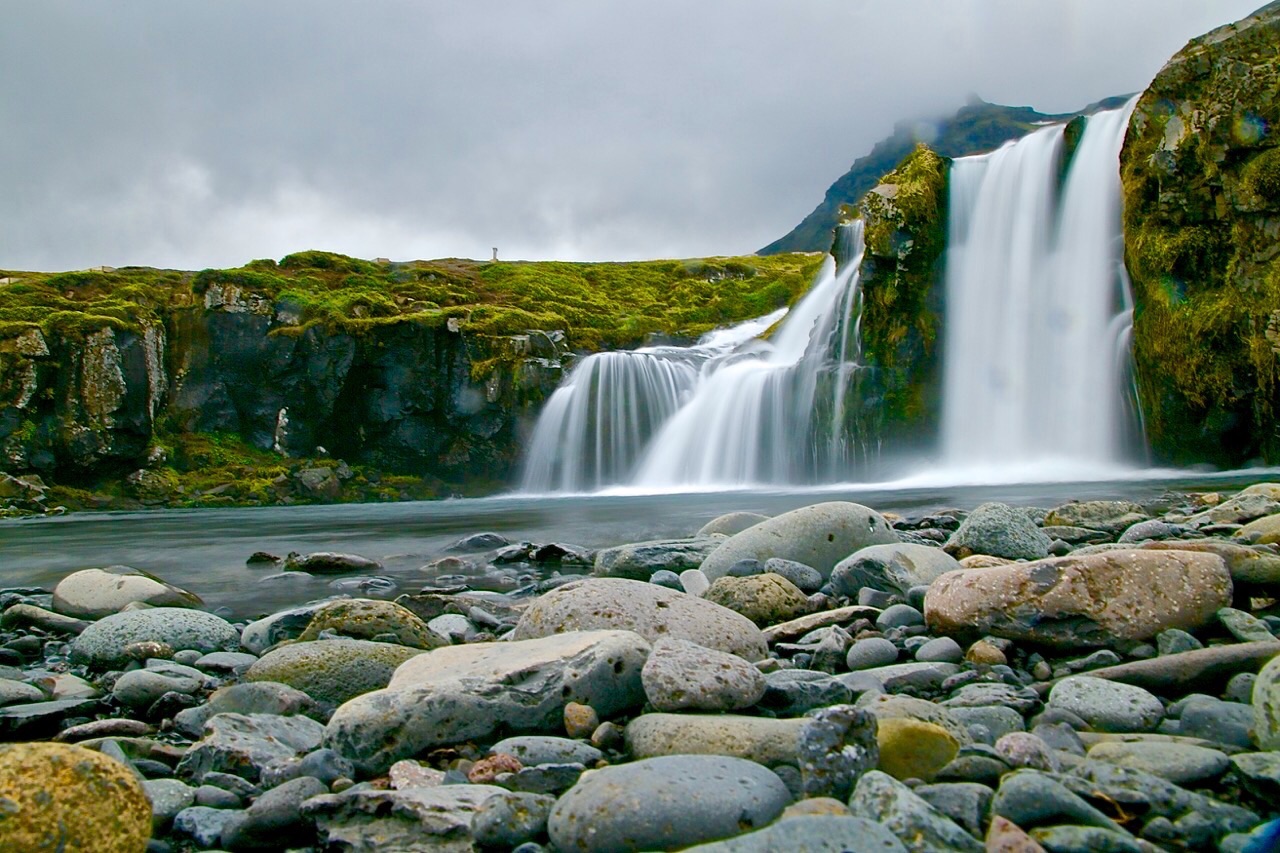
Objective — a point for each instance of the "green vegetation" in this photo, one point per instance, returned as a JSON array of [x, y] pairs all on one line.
[[1202, 194], [599, 305]]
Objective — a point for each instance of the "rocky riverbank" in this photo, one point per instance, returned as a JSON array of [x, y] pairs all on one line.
[[1093, 676]]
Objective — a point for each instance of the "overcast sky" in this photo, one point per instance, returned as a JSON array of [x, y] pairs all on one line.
[[195, 134]]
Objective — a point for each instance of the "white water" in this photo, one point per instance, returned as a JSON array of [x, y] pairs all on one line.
[[1038, 310]]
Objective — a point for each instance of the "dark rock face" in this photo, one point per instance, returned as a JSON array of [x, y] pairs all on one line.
[[401, 396], [1201, 171]]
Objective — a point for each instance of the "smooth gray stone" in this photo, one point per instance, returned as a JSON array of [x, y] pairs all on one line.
[[1108, 706], [966, 803], [662, 577], [275, 815], [1026, 750], [261, 635], [140, 688], [256, 697], [639, 560], [985, 693], [1030, 798], [330, 563], [34, 718], [244, 744], [1171, 641], [221, 662], [509, 819], [680, 675], [323, 764], [973, 768], [940, 650], [806, 578], [901, 676], [1240, 687], [1260, 772], [870, 653], [1060, 736], [793, 692], [1182, 764], [881, 798], [203, 824], [217, 798], [533, 750], [667, 802], [543, 779], [811, 834], [13, 692], [999, 530], [1085, 839], [997, 719], [168, 797], [731, 523], [894, 568], [899, 616], [102, 645], [1244, 626]]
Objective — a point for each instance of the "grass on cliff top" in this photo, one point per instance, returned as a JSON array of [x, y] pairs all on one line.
[[599, 305]]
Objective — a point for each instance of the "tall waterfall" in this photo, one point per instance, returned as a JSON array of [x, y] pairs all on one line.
[[1038, 307], [733, 411]]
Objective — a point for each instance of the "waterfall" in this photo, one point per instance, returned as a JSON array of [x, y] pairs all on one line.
[[1038, 309], [596, 424]]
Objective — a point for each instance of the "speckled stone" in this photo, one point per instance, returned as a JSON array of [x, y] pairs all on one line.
[[332, 671], [682, 675], [103, 644]]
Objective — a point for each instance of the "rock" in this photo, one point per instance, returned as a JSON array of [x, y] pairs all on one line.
[[1030, 798], [801, 626], [1095, 600], [666, 803], [891, 568], [1021, 699], [1180, 763], [1238, 510], [985, 653], [20, 615], [998, 530], [533, 750], [94, 593], [639, 560], [1230, 723], [940, 650], [1152, 530], [581, 721], [899, 616], [331, 563], [694, 582], [806, 578], [435, 818], [650, 611], [1110, 517], [37, 719], [243, 744], [140, 688], [332, 671], [967, 803], [18, 692], [167, 797], [480, 542], [62, 797], [731, 523], [1174, 641], [670, 580], [1245, 627], [793, 692], [996, 719], [367, 619], [509, 819], [1106, 705], [681, 675], [817, 833], [1250, 567], [819, 536], [223, 662], [893, 707], [1260, 772], [916, 677], [275, 815], [1189, 670], [259, 697], [456, 693], [102, 645], [1266, 707], [764, 599], [870, 653], [881, 798], [1025, 750], [1004, 836], [912, 749], [1085, 839], [203, 824], [261, 635]]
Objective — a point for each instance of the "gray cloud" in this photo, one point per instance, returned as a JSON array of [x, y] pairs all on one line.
[[191, 135]]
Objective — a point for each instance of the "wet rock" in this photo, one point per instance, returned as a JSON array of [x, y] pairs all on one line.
[[330, 563], [264, 633], [666, 803], [764, 599], [94, 593], [817, 833], [647, 609], [681, 675], [366, 619], [103, 644], [892, 568], [456, 693], [332, 671], [881, 798], [998, 530], [1095, 600], [29, 615], [1152, 530], [39, 719], [244, 744], [639, 560], [819, 536], [63, 797], [433, 818]]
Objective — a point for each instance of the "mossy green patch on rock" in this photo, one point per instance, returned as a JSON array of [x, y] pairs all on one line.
[[369, 619], [1201, 174]]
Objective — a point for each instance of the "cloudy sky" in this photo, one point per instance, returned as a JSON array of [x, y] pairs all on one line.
[[194, 134]]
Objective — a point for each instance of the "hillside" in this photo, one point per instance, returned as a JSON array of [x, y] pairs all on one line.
[[975, 128]]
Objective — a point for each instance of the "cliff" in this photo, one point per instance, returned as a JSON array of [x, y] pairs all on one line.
[[1201, 172], [247, 385]]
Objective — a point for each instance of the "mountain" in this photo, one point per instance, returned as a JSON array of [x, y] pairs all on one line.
[[976, 127]]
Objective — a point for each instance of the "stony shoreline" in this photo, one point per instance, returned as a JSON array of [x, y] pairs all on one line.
[[1092, 676]]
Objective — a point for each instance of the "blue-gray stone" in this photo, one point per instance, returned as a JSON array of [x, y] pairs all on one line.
[[1108, 706], [940, 650], [1084, 839], [881, 798], [1030, 798], [203, 824], [1000, 531], [870, 653], [546, 749], [899, 616], [794, 692], [509, 819], [811, 834], [895, 567], [966, 803], [665, 803], [806, 578]]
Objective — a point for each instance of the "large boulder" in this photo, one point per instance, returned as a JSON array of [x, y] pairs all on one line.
[[653, 612], [456, 693], [820, 536], [1123, 596], [94, 593], [103, 644], [61, 797], [999, 530], [891, 568], [331, 671]]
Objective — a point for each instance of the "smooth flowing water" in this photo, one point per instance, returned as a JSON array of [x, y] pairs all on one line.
[[1038, 308], [205, 550]]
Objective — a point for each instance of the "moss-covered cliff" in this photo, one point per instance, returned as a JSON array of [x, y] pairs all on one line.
[[905, 218], [147, 384], [1201, 172]]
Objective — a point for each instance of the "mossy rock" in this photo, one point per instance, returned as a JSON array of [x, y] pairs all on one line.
[[1201, 175], [64, 798], [766, 599], [331, 671], [370, 619]]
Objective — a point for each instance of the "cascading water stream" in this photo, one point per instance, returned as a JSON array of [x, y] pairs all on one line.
[[1038, 309]]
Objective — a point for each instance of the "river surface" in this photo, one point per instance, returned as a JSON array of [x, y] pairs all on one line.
[[205, 550]]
